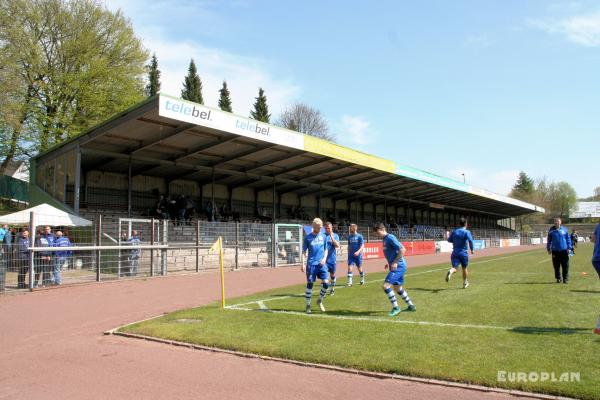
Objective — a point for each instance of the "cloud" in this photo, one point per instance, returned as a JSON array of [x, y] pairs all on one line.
[[244, 75], [583, 29], [496, 181], [355, 130], [174, 49]]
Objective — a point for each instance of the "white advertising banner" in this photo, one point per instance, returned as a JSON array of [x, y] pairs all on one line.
[[187, 111], [536, 241], [444, 246]]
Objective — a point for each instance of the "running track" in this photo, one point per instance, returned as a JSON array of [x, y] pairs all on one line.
[[53, 346]]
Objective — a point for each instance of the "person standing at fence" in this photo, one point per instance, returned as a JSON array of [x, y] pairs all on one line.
[[596, 263], [315, 245], [460, 238], [23, 259], [394, 251], [44, 258], [356, 245], [558, 246], [60, 257], [134, 253], [333, 243]]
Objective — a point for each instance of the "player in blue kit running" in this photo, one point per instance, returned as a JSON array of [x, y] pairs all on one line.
[[394, 255], [332, 241], [460, 238], [356, 245], [315, 248]]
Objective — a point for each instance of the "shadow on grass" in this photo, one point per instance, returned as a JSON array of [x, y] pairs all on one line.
[[587, 291], [530, 283], [428, 290], [561, 331]]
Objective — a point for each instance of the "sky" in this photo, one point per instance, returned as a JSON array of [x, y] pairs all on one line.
[[480, 88]]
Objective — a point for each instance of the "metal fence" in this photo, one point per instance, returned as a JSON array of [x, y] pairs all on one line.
[[119, 248]]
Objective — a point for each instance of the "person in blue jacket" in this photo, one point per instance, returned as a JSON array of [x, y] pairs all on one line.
[[559, 245], [23, 259], [60, 257], [460, 238]]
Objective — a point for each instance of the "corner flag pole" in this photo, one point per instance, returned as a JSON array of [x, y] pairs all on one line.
[[222, 272]]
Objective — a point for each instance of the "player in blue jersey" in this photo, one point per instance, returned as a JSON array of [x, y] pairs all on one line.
[[394, 251], [315, 248], [332, 241], [596, 263], [460, 238], [356, 245]]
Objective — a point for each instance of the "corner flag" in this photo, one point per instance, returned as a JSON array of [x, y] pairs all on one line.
[[218, 246]]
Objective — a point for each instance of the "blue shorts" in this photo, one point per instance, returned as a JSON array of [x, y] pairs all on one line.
[[354, 260], [331, 268], [314, 272], [459, 259], [396, 277], [596, 265]]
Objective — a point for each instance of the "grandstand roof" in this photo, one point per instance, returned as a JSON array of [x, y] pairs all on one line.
[[168, 137]]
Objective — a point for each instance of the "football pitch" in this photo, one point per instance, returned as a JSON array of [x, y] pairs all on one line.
[[513, 319]]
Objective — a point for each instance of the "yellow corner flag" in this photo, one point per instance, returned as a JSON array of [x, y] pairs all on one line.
[[218, 246]]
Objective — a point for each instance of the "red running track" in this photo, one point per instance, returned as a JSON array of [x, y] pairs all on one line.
[[53, 346]]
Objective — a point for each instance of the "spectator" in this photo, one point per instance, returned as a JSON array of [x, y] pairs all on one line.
[[236, 215], [44, 258], [161, 208], [134, 253], [190, 207], [60, 257], [23, 259], [180, 204]]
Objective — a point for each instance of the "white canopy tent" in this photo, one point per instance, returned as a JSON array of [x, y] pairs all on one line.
[[44, 214]]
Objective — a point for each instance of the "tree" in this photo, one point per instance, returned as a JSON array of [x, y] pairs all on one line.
[[564, 198], [523, 188], [192, 85], [153, 85], [261, 109], [305, 119], [224, 98], [65, 66]]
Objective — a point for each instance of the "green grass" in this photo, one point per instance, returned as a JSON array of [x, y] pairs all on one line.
[[531, 324]]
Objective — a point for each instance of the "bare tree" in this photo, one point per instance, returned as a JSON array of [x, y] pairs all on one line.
[[305, 119]]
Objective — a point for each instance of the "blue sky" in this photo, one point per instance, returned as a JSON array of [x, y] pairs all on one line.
[[484, 88]]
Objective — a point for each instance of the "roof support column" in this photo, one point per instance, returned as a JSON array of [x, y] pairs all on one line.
[[385, 211], [274, 198], [77, 180], [212, 192], [129, 184], [319, 203]]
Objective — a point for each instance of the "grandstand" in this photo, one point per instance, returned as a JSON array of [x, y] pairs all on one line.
[[173, 147], [222, 168]]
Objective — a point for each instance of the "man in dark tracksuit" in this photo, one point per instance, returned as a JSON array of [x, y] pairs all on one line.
[[574, 240], [559, 245]]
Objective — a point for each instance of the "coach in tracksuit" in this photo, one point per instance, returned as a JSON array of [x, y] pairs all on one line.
[[559, 245]]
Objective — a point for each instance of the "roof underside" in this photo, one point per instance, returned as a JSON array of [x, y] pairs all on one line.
[[171, 149]]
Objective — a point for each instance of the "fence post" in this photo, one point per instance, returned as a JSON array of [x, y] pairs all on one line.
[[163, 252], [237, 244], [31, 252], [98, 243], [273, 246], [197, 245], [152, 240]]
